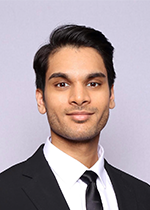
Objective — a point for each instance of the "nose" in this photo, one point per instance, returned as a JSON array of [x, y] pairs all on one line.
[[79, 96]]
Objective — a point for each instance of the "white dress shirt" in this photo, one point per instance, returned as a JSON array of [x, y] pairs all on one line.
[[68, 171]]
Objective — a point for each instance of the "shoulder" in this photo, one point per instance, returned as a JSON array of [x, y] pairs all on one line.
[[114, 172], [13, 175], [14, 180], [123, 181]]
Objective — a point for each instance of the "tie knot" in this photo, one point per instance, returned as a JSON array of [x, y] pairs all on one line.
[[88, 177]]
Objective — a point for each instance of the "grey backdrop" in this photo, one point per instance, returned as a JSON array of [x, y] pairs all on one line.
[[25, 25]]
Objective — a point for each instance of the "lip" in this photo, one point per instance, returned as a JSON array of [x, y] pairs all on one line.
[[80, 115]]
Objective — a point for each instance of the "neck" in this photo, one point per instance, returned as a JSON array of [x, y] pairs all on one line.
[[85, 151]]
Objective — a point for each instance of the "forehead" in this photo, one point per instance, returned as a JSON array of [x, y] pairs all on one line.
[[75, 61]]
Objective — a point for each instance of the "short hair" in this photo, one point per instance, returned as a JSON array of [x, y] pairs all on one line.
[[76, 36]]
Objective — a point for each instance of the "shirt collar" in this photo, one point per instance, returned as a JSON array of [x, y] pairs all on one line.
[[69, 169]]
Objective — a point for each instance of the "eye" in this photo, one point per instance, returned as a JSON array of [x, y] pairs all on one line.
[[62, 84], [93, 84]]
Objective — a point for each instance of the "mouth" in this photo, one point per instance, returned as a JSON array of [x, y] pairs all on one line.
[[80, 116]]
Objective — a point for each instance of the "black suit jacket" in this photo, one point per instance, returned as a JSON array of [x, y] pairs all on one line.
[[31, 185]]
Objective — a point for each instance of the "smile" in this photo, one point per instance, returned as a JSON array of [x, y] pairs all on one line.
[[80, 116]]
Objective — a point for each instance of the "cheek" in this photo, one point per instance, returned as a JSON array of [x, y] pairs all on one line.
[[54, 102], [101, 100]]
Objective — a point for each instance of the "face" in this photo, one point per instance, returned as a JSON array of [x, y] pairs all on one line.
[[77, 97]]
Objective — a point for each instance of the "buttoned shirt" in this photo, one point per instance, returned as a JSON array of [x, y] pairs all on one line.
[[68, 171]]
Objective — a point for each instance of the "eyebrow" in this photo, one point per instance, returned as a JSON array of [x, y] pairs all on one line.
[[56, 75], [94, 75], [90, 76]]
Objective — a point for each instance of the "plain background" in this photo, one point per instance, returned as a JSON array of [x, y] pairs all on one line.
[[26, 25]]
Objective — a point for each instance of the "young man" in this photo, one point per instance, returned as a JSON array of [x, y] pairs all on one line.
[[74, 79]]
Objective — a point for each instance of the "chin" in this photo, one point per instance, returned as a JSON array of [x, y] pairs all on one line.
[[76, 138]]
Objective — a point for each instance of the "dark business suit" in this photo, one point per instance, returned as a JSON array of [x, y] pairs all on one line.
[[31, 185]]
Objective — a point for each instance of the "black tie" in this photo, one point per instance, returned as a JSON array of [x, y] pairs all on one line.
[[93, 200]]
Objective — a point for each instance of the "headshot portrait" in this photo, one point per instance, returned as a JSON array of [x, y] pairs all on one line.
[[74, 118]]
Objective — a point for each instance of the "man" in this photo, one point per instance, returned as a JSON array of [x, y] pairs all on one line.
[[74, 79]]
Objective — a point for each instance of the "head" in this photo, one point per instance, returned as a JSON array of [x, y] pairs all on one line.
[[76, 36], [74, 78]]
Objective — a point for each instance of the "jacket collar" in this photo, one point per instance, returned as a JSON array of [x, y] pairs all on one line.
[[40, 184], [124, 192], [41, 187]]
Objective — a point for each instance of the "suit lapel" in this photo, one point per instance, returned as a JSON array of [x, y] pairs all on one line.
[[40, 184], [124, 193]]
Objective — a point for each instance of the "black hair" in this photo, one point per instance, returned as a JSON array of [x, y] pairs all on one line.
[[76, 36]]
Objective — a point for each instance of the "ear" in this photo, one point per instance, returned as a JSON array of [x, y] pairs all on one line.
[[112, 98], [40, 101]]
